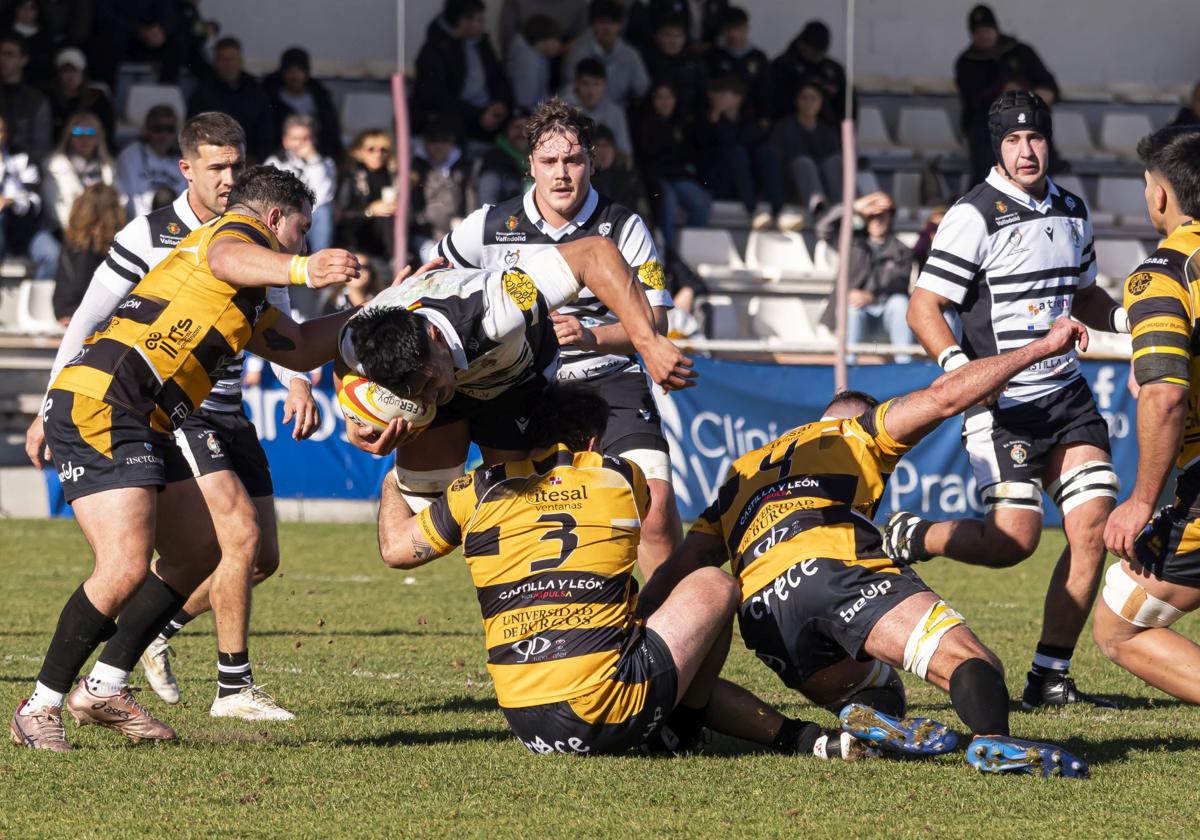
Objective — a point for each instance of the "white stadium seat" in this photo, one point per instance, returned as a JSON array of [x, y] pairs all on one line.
[[778, 256], [906, 189], [144, 97], [10, 318], [1120, 132], [362, 111], [35, 307], [729, 214], [927, 131], [1072, 184], [1074, 141], [1116, 258], [1123, 200], [873, 137], [825, 258], [780, 319], [724, 316], [709, 251]]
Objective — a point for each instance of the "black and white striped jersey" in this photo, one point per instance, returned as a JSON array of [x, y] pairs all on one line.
[[144, 243], [506, 234], [496, 323], [1011, 264]]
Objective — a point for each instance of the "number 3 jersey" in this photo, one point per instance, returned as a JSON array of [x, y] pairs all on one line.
[[551, 542], [811, 493]]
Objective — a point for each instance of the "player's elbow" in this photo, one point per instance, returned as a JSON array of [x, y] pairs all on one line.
[[945, 400], [394, 557]]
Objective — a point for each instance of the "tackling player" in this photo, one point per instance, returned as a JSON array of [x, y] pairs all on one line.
[[109, 416], [1010, 257], [562, 206], [220, 446], [551, 542], [821, 603], [1157, 580]]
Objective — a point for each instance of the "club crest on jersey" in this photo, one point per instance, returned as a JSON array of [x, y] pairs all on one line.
[[520, 287], [462, 482], [1001, 207], [173, 228], [214, 445], [651, 274], [510, 232], [1139, 283], [605, 228], [1070, 202], [511, 257], [511, 223]]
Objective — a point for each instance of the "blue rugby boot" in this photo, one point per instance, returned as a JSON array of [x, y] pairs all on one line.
[[1001, 754], [902, 736]]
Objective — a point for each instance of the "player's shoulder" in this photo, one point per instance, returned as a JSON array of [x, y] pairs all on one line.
[[1069, 203], [507, 221], [244, 226], [165, 227]]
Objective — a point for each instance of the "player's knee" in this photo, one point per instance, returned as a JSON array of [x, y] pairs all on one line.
[[721, 590], [882, 689], [267, 563], [1082, 484], [1127, 610], [1009, 548]]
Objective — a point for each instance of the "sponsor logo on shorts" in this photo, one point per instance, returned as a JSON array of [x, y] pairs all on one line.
[[1018, 451], [571, 745], [780, 589], [872, 592], [135, 460], [214, 445], [1139, 283], [70, 472]]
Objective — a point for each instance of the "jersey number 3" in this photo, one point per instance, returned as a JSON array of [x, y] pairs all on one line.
[[565, 534]]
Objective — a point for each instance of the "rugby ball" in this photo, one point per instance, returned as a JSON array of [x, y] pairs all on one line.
[[367, 404]]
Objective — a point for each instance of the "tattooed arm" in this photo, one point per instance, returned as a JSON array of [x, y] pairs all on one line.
[[695, 552], [403, 543], [299, 346]]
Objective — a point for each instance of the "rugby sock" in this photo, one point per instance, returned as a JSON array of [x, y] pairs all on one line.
[[979, 696], [175, 625], [81, 627], [685, 723], [105, 680], [1048, 659], [140, 622], [43, 696], [797, 737], [233, 673]]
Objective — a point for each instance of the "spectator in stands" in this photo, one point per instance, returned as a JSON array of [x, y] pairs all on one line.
[[359, 291], [69, 21], [807, 59], [880, 272], [628, 80], [683, 284], [300, 156], [668, 60], [72, 92], [24, 17], [135, 30], [80, 160], [738, 161], [570, 15], [925, 238], [292, 90], [26, 110], [366, 196], [734, 55], [810, 150], [504, 169], [669, 162], [529, 58], [591, 84], [233, 91], [1189, 114], [981, 72], [614, 176], [95, 217], [151, 163], [439, 188], [458, 69], [700, 19], [20, 207]]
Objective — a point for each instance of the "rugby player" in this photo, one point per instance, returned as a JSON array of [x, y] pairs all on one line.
[[1010, 257], [219, 443], [1157, 580], [551, 542], [110, 413], [562, 206], [821, 603]]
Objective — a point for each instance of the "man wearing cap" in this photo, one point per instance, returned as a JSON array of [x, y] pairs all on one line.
[[807, 60], [880, 270], [992, 64], [1010, 257], [293, 90], [73, 92]]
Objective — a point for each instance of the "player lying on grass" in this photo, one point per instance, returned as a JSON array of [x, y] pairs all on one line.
[[108, 420], [480, 345], [1157, 580], [552, 542], [821, 603]]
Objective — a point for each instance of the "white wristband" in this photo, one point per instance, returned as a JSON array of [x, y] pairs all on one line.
[[952, 358], [1119, 320]]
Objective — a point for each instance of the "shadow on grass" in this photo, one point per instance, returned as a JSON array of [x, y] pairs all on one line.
[[366, 708], [1117, 749], [402, 738], [364, 634]]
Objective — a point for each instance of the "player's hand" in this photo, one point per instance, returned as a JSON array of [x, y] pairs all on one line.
[[1064, 335], [301, 405], [331, 266], [667, 365], [570, 331], [382, 441], [406, 272], [35, 443], [1124, 526]]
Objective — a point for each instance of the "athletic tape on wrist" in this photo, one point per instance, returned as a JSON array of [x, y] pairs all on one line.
[[298, 272], [952, 358], [1118, 319]]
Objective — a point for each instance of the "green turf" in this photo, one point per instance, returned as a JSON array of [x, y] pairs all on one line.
[[398, 733]]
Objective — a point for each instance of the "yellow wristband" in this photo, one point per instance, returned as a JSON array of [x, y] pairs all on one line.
[[298, 272]]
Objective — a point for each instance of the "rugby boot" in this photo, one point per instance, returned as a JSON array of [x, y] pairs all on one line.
[[842, 746], [904, 538], [251, 703], [39, 729], [120, 712], [902, 736], [156, 662], [1057, 689], [1001, 754]]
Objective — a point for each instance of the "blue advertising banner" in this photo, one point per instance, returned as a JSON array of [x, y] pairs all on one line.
[[738, 407]]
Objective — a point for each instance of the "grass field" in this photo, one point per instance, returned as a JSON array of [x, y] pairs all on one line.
[[398, 734]]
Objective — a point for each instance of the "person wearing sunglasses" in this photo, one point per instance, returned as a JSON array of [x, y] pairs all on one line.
[[152, 162], [366, 196], [80, 160], [72, 91]]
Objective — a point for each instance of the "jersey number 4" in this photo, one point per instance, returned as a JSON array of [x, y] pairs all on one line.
[[564, 533], [784, 464]]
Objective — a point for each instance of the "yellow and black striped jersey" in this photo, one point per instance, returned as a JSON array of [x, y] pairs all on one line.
[[160, 353], [808, 494], [1163, 301], [551, 542]]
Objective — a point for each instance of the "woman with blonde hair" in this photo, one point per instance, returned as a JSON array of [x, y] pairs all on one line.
[[366, 196], [80, 160], [93, 222]]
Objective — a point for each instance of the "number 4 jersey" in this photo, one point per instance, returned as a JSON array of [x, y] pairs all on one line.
[[551, 542]]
